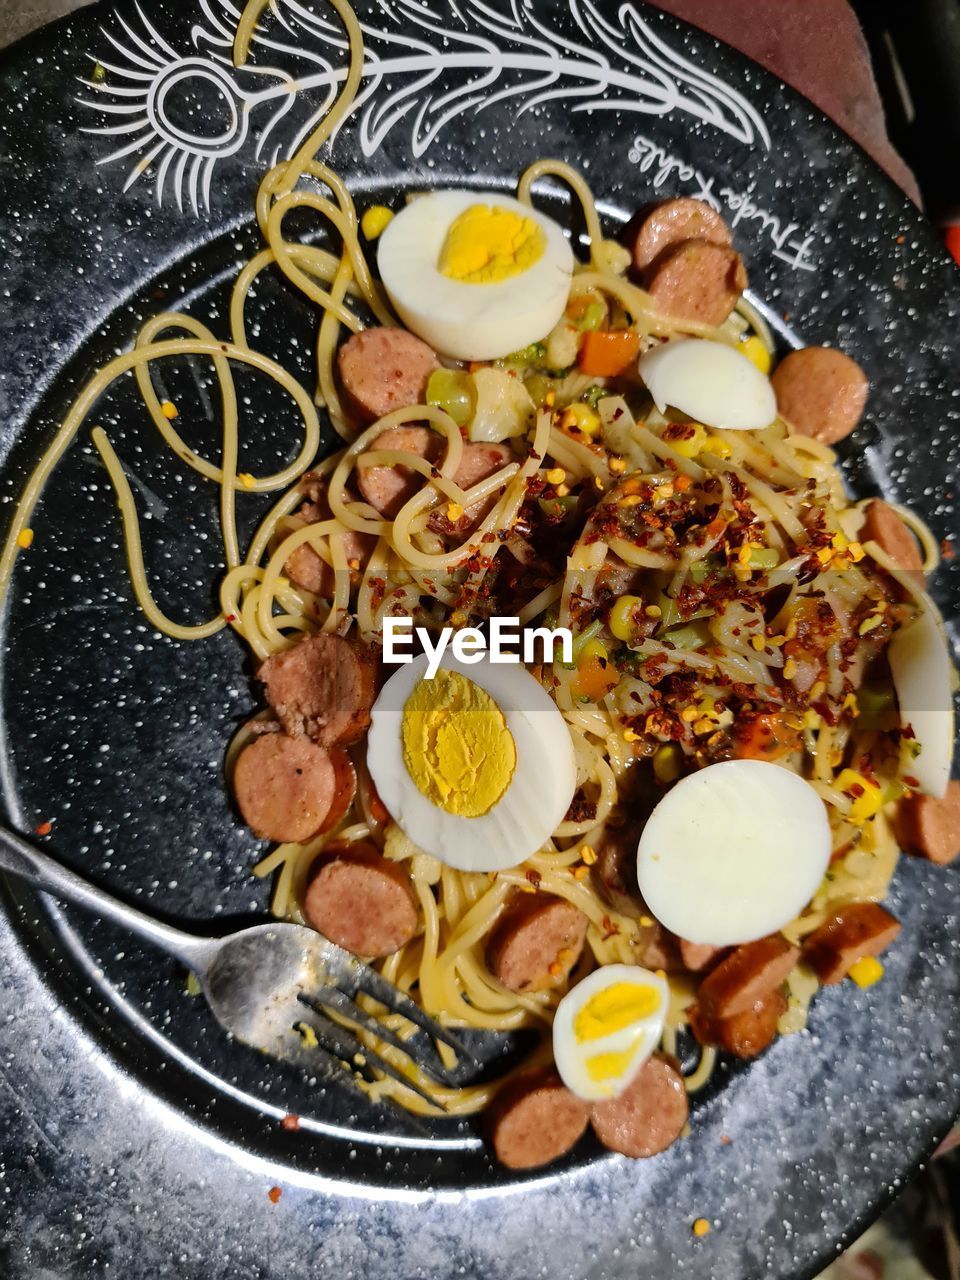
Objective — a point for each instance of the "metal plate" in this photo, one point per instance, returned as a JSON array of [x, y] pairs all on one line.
[[135, 1134]]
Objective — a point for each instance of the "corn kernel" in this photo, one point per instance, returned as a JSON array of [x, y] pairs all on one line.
[[580, 417], [743, 555], [375, 221], [555, 969], [758, 642], [593, 649], [588, 855], [839, 542], [562, 490], [169, 410], [630, 736], [454, 512], [689, 714], [818, 690], [825, 555], [631, 500], [702, 1227], [856, 552], [556, 475], [867, 795], [458, 618], [667, 763], [691, 446], [247, 481], [653, 611], [866, 972], [811, 719], [789, 669], [719, 448], [869, 624], [756, 353], [617, 466], [663, 491], [25, 538], [621, 616], [580, 873], [647, 922], [550, 399]]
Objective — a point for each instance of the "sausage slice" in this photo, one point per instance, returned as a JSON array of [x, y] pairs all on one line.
[[821, 392], [382, 370], [697, 956], [323, 687], [536, 942], [697, 281], [882, 525], [361, 900], [285, 787], [745, 1034], [673, 221], [648, 1116], [748, 974], [930, 828], [860, 930], [304, 567], [535, 1119]]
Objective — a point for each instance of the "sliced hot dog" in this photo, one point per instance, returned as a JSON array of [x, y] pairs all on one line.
[[323, 687], [285, 787], [860, 930], [697, 956], [535, 1119], [883, 526], [536, 941], [304, 567], [821, 392], [361, 900], [382, 370], [388, 488], [745, 1034], [648, 1116], [671, 222], [748, 974], [697, 281], [930, 828]]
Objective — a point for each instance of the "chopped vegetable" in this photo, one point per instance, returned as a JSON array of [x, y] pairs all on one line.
[[766, 737], [580, 417], [608, 354], [503, 406], [375, 221], [593, 395], [866, 972], [454, 393], [530, 354]]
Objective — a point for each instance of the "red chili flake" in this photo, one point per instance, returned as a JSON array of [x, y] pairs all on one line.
[[611, 929], [947, 549], [291, 1123], [43, 828], [856, 790], [724, 1138], [901, 239], [274, 1194], [534, 877], [911, 781], [907, 731], [229, 617]]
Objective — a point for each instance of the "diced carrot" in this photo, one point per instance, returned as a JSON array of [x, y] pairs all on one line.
[[594, 679], [605, 354], [766, 737]]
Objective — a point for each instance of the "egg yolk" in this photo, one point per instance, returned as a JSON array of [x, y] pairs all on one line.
[[456, 745], [610, 1066], [614, 1008], [486, 244]]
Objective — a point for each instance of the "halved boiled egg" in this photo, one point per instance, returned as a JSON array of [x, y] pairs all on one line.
[[476, 766], [733, 852], [922, 676], [711, 382], [478, 275], [606, 1027]]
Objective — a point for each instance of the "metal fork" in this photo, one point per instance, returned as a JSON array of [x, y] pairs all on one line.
[[271, 986]]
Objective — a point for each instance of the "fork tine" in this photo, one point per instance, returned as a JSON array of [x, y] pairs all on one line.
[[374, 984], [334, 998], [345, 1045]]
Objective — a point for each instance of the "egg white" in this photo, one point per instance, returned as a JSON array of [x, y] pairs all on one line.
[[733, 852], [922, 676], [711, 382], [571, 1055], [470, 321], [536, 799]]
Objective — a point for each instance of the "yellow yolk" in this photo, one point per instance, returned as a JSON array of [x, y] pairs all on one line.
[[456, 745], [610, 1066], [486, 244], [614, 1008]]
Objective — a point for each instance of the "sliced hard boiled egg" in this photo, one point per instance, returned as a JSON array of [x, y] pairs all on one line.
[[475, 766], [478, 275], [922, 676], [710, 382], [733, 852], [606, 1027]]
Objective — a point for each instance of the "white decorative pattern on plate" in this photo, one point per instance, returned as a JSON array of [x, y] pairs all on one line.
[[426, 65]]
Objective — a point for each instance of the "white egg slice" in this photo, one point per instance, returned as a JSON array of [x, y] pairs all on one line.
[[534, 802], [606, 1027], [710, 382], [460, 319], [922, 676], [733, 852]]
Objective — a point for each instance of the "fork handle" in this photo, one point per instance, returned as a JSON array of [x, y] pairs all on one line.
[[28, 863]]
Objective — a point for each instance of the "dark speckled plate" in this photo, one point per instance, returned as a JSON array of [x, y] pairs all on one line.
[[134, 1137]]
